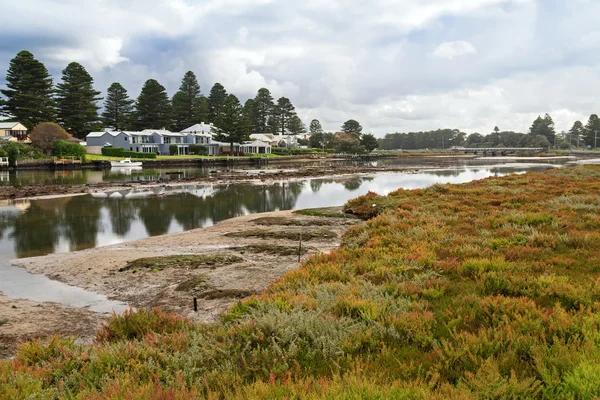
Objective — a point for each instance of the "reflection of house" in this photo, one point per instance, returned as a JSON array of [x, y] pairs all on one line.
[[159, 141], [13, 131]]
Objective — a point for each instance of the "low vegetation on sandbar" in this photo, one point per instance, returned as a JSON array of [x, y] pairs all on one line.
[[306, 235], [483, 290], [181, 261]]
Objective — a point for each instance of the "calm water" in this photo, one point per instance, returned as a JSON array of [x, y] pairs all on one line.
[[66, 224]]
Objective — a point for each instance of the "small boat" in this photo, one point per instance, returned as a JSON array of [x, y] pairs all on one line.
[[125, 163]]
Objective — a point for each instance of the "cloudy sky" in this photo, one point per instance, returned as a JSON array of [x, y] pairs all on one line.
[[394, 65]]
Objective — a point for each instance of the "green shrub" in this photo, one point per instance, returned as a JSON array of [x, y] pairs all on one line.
[[135, 325], [198, 149], [172, 149], [63, 148]]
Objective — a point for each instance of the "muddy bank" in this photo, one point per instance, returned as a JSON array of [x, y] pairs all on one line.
[[18, 192], [238, 257], [24, 320]]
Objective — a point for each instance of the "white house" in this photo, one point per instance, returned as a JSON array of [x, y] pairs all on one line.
[[256, 147]]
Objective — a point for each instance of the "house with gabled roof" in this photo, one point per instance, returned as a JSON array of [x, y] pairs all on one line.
[[13, 131]]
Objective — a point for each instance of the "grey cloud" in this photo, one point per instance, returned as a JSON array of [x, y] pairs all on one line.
[[336, 60]]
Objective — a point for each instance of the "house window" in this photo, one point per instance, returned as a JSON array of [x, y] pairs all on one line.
[[167, 140]]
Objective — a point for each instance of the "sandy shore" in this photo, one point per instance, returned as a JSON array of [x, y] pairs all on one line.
[[104, 270], [23, 320]]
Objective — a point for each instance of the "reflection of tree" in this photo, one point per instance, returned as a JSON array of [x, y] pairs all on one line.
[[80, 220], [445, 172], [36, 231], [7, 219], [122, 213], [352, 184], [156, 214]]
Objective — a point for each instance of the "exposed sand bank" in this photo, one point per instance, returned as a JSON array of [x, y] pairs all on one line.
[[104, 270]]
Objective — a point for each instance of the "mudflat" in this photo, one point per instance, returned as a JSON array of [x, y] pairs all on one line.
[[218, 265]]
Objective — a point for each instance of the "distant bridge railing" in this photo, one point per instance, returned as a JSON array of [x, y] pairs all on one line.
[[496, 150]]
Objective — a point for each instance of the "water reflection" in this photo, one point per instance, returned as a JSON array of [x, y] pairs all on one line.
[[74, 223]]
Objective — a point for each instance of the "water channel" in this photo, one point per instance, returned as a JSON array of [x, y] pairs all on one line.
[[64, 224]]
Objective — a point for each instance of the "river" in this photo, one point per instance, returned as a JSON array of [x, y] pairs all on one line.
[[64, 224]]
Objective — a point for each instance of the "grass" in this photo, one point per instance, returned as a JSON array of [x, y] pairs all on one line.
[[98, 157], [485, 290], [272, 249], [307, 235], [328, 212], [181, 261], [3, 321]]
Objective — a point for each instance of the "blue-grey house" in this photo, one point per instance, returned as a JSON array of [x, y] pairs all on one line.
[[159, 141]]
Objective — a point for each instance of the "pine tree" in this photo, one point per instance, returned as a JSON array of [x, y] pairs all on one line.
[[543, 127], [576, 134], [76, 99], [232, 123], [592, 131], [264, 106], [187, 103], [296, 126], [315, 127], [152, 109], [282, 116], [352, 127], [216, 98], [118, 108], [29, 94], [250, 113]]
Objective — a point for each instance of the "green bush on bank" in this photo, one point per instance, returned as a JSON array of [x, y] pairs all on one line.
[[120, 152], [62, 148], [199, 150]]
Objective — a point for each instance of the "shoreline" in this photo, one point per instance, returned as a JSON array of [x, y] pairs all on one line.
[[259, 261]]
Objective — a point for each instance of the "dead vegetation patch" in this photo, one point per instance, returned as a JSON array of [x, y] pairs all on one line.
[[328, 212], [272, 249], [283, 221], [192, 284], [216, 294], [287, 235], [181, 261]]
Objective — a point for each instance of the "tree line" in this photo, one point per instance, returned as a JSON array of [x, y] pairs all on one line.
[[542, 133], [31, 98]]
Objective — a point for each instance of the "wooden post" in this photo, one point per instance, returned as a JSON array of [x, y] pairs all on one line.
[[300, 247], [195, 304]]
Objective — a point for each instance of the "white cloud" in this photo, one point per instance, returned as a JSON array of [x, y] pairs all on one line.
[[451, 50]]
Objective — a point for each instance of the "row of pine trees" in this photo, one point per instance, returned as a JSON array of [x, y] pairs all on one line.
[[31, 97]]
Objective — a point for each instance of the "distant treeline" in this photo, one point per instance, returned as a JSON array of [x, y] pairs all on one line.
[[541, 134]]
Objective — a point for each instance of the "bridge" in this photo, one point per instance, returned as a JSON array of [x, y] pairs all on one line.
[[498, 150]]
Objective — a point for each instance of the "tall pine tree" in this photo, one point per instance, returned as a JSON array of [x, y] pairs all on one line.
[[592, 131], [187, 104], [216, 98], [76, 99], [283, 116], [118, 108], [29, 94], [152, 108], [232, 122], [264, 107]]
